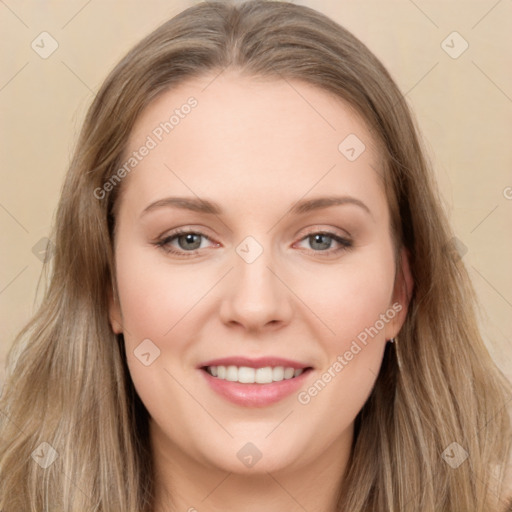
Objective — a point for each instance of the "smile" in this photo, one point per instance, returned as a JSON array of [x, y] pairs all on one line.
[[254, 382], [247, 375]]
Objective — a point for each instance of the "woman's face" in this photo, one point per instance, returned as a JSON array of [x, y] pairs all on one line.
[[272, 276]]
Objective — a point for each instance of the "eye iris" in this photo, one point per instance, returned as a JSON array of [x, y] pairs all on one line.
[[324, 245], [189, 238]]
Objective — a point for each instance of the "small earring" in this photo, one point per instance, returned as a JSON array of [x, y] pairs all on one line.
[[392, 340]]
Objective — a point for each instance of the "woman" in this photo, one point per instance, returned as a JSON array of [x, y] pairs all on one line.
[[317, 350]]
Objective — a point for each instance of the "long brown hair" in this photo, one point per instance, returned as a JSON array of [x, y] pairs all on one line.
[[69, 396]]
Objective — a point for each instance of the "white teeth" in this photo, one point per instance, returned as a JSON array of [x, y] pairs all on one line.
[[288, 373], [247, 375], [278, 373], [232, 373], [264, 375]]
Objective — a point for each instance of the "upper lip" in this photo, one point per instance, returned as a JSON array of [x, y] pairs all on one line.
[[259, 362]]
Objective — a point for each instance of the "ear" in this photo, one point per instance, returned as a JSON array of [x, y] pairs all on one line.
[[114, 312], [402, 294]]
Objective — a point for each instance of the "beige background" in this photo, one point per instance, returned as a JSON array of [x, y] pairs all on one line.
[[463, 105]]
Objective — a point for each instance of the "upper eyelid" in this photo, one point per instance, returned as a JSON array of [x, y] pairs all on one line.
[[312, 230]]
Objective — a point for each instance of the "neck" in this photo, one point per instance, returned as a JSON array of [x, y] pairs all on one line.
[[186, 484]]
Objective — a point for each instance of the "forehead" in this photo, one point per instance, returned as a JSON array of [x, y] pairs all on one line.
[[250, 137]]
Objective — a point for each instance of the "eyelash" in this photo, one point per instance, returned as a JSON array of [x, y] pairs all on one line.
[[164, 243]]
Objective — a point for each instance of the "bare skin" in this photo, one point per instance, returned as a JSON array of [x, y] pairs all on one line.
[[256, 148]]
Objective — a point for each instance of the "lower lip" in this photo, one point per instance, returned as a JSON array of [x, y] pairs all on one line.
[[255, 395]]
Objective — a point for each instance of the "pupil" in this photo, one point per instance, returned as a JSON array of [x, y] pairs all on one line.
[[318, 238], [189, 239]]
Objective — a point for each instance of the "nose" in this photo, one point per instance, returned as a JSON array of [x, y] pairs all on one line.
[[256, 295]]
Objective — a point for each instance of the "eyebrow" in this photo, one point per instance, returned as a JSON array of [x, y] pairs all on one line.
[[212, 208]]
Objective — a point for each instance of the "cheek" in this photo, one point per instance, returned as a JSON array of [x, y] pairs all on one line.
[[354, 302], [350, 297], [157, 302], [155, 296]]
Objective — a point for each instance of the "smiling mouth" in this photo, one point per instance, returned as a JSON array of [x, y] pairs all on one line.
[[248, 375]]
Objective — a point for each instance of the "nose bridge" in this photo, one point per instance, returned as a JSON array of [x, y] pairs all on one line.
[[256, 296], [255, 280]]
